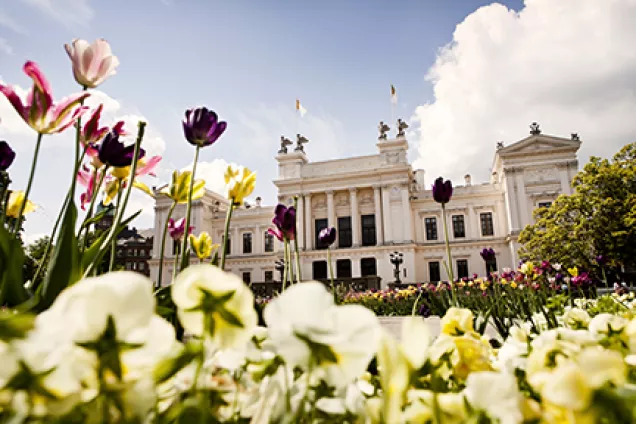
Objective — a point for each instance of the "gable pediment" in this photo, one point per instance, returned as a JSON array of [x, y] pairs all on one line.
[[537, 144]]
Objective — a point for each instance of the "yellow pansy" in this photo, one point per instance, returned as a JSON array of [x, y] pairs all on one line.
[[574, 272], [240, 183], [178, 189], [202, 245], [457, 322], [16, 199]]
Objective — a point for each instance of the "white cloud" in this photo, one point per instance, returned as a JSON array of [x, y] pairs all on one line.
[[212, 173], [567, 64], [8, 22], [68, 12], [10, 122], [5, 47]]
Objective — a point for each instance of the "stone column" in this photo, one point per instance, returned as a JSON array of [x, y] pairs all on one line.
[[386, 211], [235, 242], [523, 200], [498, 218], [355, 268], [257, 242], [511, 201], [378, 216], [309, 245], [474, 232], [331, 210], [355, 217], [407, 217], [565, 178], [300, 222]]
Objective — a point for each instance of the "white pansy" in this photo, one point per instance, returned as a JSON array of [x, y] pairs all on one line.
[[567, 387], [211, 300], [415, 340], [576, 318], [602, 366], [497, 394], [603, 324], [308, 329]]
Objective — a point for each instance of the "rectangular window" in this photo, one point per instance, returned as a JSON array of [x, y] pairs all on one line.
[[462, 268], [487, 228], [459, 230], [320, 225], [176, 247], [491, 266], [344, 232], [368, 230], [269, 275], [544, 204], [368, 267], [343, 268], [247, 242], [247, 277], [269, 242], [431, 228], [433, 271], [320, 270]]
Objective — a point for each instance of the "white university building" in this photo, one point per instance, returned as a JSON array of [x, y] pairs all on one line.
[[379, 204]]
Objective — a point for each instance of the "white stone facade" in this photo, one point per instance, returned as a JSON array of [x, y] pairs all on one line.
[[382, 194]]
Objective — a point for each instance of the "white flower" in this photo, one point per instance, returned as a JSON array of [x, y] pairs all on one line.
[[566, 387], [603, 324], [307, 329], [497, 394], [214, 302], [415, 340], [457, 321], [602, 366], [576, 318]]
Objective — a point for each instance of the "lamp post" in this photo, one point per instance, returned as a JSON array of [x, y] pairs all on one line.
[[396, 260], [280, 267]]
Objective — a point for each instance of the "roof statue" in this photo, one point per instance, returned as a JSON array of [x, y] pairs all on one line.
[[300, 141], [383, 129], [534, 129], [575, 137], [401, 126], [500, 145], [284, 142]]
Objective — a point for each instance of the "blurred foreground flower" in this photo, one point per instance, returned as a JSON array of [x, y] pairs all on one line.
[[38, 110], [92, 63]]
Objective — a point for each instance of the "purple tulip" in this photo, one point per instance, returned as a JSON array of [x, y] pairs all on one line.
[[327, 236], [487, 254], [285, 223], [7, 155], [202, 127], [112, 152], [442, 191]]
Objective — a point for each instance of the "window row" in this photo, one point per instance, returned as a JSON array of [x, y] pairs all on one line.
[[345, 231], [434, 270], [320, 269], [136, 266], [459, 226], [247, 276], [268, 244], [133, 252]]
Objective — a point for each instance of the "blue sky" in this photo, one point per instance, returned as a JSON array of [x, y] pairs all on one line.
[[250, 60]]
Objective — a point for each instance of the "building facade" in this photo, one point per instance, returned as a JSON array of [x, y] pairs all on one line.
[[379, 204]]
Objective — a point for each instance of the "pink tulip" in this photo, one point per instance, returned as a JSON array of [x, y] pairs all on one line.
[[148, 167], [92, 134], [38, 109], [92, 63], [177, 228], [86, 179]]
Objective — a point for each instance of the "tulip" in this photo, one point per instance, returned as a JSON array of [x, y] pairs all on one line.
[[86, 179], [38, 110], [327, 236], [487, 254], [92, 63], [112, 152], [442, 191], [202, 127], [178, 189], [177, 228], [202, 245], [285, 222], [240, 184], [16, 202], [7, 155]]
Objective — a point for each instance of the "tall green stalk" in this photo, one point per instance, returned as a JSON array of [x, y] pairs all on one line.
[[333, 286], [113, 243], [286, 269], [226, 234], [78, 159], [163, 244], [89, 213], [34, 164], [184, 246], [4, 195], [299, 277], [449, 268]]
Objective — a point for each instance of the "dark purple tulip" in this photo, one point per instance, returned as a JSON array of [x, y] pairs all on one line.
[[202, 127], [487, 254], [6, 156], [327, 236], [601, 260], [112, 152], [285, 222], [442, 191]]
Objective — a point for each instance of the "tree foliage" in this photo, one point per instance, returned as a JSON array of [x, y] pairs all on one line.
[[599, 218]]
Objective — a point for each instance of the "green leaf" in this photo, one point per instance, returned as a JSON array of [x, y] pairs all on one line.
[[15, 326], [172, 365], [12, 291], [94, 219], [64, 268]]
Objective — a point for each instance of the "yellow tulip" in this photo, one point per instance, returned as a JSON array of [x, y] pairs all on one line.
[[178, 189], [202, 245], [240, 184], [574, 272], [16, 199]]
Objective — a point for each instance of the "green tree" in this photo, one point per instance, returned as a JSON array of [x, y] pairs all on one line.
[[35, 255], [599, 218]]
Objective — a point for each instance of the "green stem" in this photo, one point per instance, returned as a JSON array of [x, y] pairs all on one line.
[[78, 160], [176, 264], [449, 269], [286, 268], [185, 257], [163, 244], [113, 243], [120, 211], [288, 259], [299, 277], [333, 286], [89, 213], [4, 198], [226, 234], [34, 163]]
